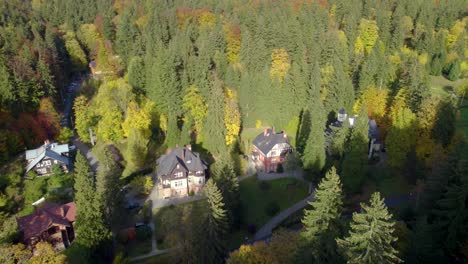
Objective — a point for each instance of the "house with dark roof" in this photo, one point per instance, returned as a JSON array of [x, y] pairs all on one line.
[[180, 172], [270, 149], [51, 223], [42, 159]]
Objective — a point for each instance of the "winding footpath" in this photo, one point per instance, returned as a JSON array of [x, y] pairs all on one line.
[[266, 230]]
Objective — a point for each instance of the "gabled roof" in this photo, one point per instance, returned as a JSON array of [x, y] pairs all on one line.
[[53, 151], [45, 217], [268, 139], [188, 160]]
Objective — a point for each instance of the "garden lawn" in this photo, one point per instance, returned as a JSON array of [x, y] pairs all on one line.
[[285, 192], [169, 219]]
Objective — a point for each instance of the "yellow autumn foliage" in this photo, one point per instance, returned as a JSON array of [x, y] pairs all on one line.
[[279, 64], [232, 119], [233, 42], [137, 118], [207, 19], [368, 32], [455, 32]]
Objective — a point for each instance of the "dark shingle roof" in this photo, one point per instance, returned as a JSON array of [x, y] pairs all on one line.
[[187, 159], [265, 142]]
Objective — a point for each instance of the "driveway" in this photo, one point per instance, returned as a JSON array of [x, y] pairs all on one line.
[[159, 202]]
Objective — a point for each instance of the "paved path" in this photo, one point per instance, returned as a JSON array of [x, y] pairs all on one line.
[[158, 202], [85, 150], [266, 230], [150, 254]]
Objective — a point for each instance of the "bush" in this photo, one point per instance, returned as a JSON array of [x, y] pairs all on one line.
[[146, 212], [279, 168], [143, 233], [264, 185], [191, 193], [272, 208], [138, 184]]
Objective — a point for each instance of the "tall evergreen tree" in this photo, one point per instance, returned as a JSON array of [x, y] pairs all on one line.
[[214, 226], [371, 236], [355, 158], [322, 222], [314, 151], [89, 226], [108, 184], [214, 130]]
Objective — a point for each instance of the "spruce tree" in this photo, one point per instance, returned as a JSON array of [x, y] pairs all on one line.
[[89, 225], [228, 183], [355, 158], [214, 130], [371, 236], [314, 151], [108, 183], [322, 222], [214, 226]]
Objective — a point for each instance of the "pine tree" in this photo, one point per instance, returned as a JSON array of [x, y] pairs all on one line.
[[314, 151], [355, 158], [371, 236], [228, 183], [214, 129], [214, 226], [89, 225], [322, 222], [108, 183]]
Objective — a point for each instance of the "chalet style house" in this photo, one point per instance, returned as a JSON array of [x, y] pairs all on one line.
[[51, 223], [270, 149], [43, 158], [180, 172], [375, 143]]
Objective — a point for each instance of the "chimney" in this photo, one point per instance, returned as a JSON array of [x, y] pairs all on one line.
[[265, 132], [189, 147], [46, 142], [183, 154]]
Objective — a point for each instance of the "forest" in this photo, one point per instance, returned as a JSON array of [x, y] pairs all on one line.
[[158, 74]]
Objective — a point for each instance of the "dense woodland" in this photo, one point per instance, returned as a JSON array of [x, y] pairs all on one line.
[[201, 72]]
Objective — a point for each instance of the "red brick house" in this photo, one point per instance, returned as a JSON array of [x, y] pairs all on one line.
[[270, 149], [51, 223]]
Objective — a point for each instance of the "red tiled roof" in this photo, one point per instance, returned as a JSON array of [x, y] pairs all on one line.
[[46, 216]]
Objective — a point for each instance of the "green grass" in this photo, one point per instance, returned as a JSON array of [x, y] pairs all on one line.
[[169, 218], [137, 248], [389, 183], [285, 192]]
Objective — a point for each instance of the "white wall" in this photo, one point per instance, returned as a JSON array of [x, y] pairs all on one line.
[[184, 183]]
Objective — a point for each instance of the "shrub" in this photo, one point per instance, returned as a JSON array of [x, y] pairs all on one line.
[[264, 185], [143, 233], [279, 168], [146, 212], [191, 193], [272, 208], [138, 184]]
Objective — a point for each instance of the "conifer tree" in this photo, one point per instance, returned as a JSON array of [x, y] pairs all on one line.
[[90, 227], [355, 158], [314, 151], [322, 222], [371, 236], [108, 183], [214, 226], [228, 183], [214, 129]]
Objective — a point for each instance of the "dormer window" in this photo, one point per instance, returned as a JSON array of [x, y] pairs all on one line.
[[188, 161], [177, 166]]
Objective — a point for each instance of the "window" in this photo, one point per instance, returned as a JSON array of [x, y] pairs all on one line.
[[47, 162], [273, 154], [179, 174], [273, 161], [178, 184]]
